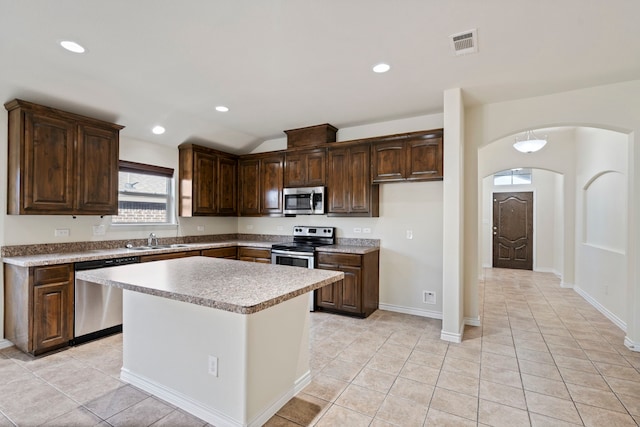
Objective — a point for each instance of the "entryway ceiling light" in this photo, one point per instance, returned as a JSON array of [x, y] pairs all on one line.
[[530, 142], [222, 108], [158, 130], [381, 68], [72, 46]]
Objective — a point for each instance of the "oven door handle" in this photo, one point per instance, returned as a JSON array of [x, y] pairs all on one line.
[[292, 253]]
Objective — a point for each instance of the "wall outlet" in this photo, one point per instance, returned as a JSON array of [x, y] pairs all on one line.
[[428, 297], [409, 234], [357, 230], [61, 232], [366, 230], [99, 230], [213, 366], [200, 228]]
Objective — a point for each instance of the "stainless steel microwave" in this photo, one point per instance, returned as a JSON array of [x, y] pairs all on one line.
[[304, 201]]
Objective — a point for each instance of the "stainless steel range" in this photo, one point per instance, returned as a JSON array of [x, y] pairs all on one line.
[[301, 252]]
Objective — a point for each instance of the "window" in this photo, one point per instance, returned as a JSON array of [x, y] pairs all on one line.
[[518, 176], [145, 194]]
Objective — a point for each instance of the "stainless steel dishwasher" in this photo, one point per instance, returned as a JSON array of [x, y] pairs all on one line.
[[98, 308]]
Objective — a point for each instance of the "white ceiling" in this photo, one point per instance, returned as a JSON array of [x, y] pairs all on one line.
[[284, 64]]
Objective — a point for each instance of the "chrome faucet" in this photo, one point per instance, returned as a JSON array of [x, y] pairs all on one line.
[[152, 240]]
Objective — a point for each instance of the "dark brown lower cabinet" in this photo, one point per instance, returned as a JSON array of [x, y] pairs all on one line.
[[228, 253], [161, 257], [358, 293], [39, 307], [250, 254]]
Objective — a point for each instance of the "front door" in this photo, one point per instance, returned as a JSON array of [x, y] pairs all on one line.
[[513, 230]]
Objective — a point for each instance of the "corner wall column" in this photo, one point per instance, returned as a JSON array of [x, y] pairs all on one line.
[[453, 221]]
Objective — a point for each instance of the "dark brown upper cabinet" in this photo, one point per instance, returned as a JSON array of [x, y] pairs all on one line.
[[261, 179], [208, 182], [60, 163], [349, 188], [306, 168], [416, 156]]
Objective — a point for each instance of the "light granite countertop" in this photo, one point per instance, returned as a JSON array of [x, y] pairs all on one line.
[[98, 254], [230, 285], [348, 249]]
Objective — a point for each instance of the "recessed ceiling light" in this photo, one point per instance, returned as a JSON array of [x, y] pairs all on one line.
[[72, 46], [222, 108], [381, 68], [158, 130]]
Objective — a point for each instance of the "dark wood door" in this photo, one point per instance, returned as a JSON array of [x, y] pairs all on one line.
[[205, 170], [338, 182], [272, 174], [360, 179], [97, 161], [295, 170], [351, 289], [388, 161], [52, 307], [424, 157], [228, 186], [513, 230], [49, 175], [316, 164], [249, 187]]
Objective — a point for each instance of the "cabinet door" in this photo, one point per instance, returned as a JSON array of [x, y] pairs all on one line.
[[49, 175], [316, 168], [52, 307], [388, 161], [97, 160], [351, 290], [338, 181], [329, 296], [305, 168], [272, 179], [295, 170], [205, 172], [424, 158], [359, 183], [228, 186], [249, 187]]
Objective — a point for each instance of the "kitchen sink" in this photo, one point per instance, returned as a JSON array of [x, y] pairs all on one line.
[[146, 248]]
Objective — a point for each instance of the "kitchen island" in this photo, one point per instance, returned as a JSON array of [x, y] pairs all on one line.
[[225, 340]]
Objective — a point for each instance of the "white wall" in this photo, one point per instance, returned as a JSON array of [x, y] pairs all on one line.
[[545, 226], [407, 267], [614, 107], [601, 223]]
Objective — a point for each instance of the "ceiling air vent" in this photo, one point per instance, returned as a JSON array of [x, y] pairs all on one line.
[[465, 42]]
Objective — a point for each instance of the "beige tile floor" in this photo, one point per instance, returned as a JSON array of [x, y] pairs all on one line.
[[543, 357]]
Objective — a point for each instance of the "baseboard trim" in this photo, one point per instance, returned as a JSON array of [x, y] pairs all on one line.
[[5, 344], [602, 309], [566, 285], [633, 346], [411, 310], [472, 321], [208, 414], [453, 337]]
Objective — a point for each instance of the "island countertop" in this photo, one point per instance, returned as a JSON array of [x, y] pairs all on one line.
[[235, 286]]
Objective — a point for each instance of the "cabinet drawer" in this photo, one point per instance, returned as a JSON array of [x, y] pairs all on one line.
[[253, 252], [220, 252], [339, 259], [162, 257], [51, 274]]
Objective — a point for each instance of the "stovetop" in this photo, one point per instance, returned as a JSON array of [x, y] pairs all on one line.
[[306, 239]]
